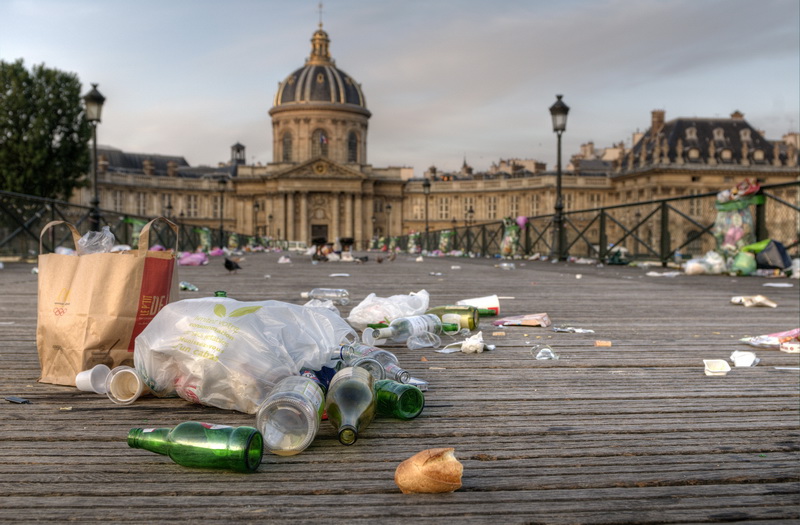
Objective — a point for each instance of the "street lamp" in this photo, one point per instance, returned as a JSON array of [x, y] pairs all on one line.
[[222, 183], [94, 107], [389, 221], [269, 225], [256, 207], [426, 189], [470, 214], [559, 112]]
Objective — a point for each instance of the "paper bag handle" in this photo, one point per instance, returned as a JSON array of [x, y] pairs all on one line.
[[75, 235], [144, 235]]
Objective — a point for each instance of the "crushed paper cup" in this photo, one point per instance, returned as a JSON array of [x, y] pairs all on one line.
[[753, 300], [744, 359], [716, 367]]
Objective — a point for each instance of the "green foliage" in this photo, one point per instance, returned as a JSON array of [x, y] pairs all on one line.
[[44, 137]]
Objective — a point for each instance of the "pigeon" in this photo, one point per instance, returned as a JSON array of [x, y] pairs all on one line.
[[231, 266]]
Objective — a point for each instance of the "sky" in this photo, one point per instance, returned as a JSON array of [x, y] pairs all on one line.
[[445, 80]]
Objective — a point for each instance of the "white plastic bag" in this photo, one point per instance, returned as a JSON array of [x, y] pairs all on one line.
[[229, 354], [374, 309]]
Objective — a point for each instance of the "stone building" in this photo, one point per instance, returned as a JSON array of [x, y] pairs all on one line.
[[320, 184]]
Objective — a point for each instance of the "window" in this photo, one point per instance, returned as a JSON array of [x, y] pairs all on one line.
[[758, 155], [191, 206], [352, 147], [726, 155], [141, 203], [694, 154], [469, 202], [319, 143], [215, 208], [443, 204], [418, 208], [691, 133], [117, 198], [719, 134], [695, 205], [744, 135], [569, 201], [491, 207], [166, 203], [595, 200], [287, 147], [535, 200], [513, 205]]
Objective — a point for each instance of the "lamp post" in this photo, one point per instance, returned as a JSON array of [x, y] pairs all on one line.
[[468, 219], [269, 225], [389, 221], [94, 107], [558, 112], [256, 207], [222, 183], [426, 189]]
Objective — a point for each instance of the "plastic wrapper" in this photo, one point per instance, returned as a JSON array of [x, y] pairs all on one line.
[[772, 340], [712, 264], [96, 242], [229, 354], [374, 309]]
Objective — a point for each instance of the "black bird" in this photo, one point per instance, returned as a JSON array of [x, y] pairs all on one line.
[[231, 266]]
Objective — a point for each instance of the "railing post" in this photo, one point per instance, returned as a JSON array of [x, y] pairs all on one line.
[[665, 238], [761, 216], [603, 241]]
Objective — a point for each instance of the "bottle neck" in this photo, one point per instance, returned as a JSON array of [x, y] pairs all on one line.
[[152, 439]]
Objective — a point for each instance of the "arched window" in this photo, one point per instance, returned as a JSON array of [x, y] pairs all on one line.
[[352, 147], [287, 147], [319, 143]]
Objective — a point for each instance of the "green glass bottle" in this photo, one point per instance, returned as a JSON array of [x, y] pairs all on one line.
[[350, 402], [205, 445], [467, 316], [220, 293], [398, 400]]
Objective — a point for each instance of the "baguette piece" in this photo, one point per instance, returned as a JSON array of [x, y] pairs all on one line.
[[431, 471]]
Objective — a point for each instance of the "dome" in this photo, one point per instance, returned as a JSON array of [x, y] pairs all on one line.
[[319, 81]]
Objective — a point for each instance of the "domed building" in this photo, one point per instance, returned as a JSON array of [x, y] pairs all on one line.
[[319, 184]]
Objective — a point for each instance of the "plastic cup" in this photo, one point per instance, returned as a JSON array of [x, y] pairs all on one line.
[[93, 380], [124, 386], [744, 359], [716, 367]]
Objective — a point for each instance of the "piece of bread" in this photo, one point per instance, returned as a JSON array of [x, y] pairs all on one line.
[[430, 471]]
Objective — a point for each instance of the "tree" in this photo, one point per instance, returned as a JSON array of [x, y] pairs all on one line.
[[44, 137]]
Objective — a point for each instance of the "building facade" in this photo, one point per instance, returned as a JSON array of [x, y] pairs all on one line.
[[320, 184]]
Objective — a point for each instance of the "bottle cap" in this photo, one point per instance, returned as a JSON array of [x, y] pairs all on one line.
[[93, 380]]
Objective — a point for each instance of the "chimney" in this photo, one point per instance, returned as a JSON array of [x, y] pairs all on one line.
[[737, 115], [147, 167], [102, 164], [657, 121], [172, 168]]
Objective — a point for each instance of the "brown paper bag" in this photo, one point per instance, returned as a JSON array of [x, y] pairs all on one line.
[[91, 307]]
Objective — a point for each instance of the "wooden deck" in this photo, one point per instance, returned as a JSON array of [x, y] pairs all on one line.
[[631, 433]]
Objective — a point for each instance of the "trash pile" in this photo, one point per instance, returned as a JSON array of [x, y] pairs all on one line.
[[737, 251]]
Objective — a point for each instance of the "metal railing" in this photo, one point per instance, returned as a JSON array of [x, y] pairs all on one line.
[[661, 230], [656, 230], [22, 218]]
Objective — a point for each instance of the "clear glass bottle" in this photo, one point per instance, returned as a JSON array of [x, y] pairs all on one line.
[[350, 403], [289, 417], [398, 400], [400, 329], [194, 444], [467, 316], [351, 354], [335, 295]]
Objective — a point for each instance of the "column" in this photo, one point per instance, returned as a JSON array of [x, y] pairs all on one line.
[[358, 232], [335, 231], [303, 234], [290, 235]]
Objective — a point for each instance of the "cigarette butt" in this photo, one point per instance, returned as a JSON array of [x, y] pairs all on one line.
[[498, 334], [602, 343], [423, 358]]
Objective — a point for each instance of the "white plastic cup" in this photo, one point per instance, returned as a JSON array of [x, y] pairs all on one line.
[[490, 302], [124, 386], [93, 380], [716, 367]]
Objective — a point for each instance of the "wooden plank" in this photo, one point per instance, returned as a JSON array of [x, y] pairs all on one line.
[[634, 432]]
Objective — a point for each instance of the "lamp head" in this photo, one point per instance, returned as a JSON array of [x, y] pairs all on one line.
[[94, 104], [559, 112]]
